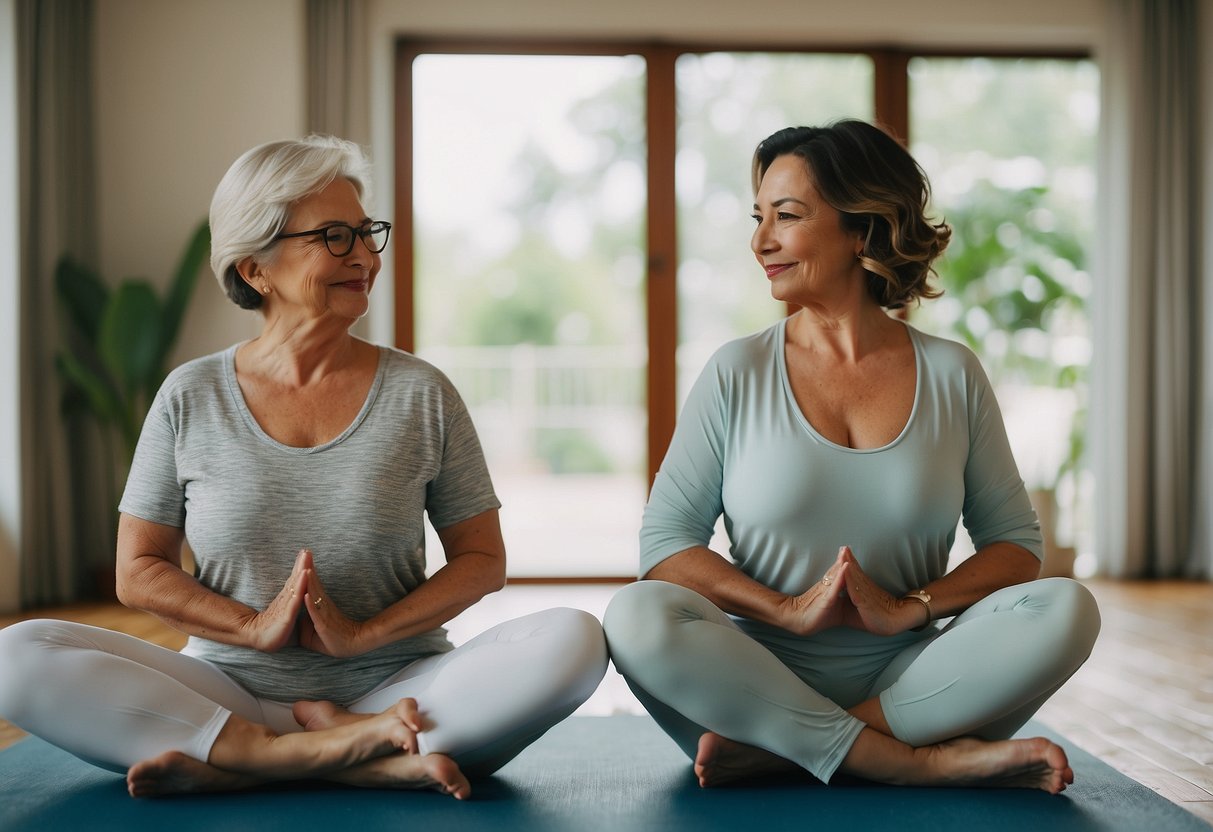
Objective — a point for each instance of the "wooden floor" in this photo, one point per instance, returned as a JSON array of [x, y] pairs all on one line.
[[1143, 703]]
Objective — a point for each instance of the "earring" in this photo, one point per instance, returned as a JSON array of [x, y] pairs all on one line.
[[266, 288]]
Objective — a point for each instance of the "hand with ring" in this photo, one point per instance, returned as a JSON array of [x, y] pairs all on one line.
[[326, 629], [274, 627], [822, 606], [873, 608]]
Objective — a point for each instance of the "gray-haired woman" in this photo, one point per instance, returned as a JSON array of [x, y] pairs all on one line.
[[299, 466]]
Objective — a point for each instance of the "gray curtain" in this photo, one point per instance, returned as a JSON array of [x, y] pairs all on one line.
[[66, 542], [1148, 425], [337, 71]]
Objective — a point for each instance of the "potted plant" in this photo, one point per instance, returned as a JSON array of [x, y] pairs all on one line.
[[117, 345]]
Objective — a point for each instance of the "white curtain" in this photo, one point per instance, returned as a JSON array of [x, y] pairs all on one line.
[[337, 71], [1149, 424], [67, 545]]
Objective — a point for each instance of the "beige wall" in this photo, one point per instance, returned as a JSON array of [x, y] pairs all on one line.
[[183, 88], [965, 23]]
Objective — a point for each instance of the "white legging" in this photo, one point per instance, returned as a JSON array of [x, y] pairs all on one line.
[[984, 674], [113, 699]]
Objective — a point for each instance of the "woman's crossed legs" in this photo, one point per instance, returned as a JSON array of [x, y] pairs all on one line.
[[175, 723], [739, 712]]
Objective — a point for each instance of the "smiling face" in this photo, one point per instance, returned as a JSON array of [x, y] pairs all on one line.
[[304, 278], [808, 257]]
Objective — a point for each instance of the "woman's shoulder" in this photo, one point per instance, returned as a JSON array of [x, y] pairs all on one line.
[[407, 377], [401, 365], [945, 355], [203, 370], [750, 351]]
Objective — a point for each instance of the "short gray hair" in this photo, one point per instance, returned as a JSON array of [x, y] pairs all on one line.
[[253, 200]]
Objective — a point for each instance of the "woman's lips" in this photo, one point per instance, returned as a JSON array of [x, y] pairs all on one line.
[[776, 268]]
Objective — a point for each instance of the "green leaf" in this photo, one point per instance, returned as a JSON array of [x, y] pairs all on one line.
[[102, 399], [130, 336], [182, 288], [83, 295]]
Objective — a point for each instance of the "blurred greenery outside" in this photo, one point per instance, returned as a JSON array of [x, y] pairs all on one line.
[[531, 250]]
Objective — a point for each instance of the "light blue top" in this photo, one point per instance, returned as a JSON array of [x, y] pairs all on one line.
[[249, 503], [790, 497]]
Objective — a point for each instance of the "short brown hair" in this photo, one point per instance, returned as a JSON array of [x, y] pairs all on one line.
[[880, 191]]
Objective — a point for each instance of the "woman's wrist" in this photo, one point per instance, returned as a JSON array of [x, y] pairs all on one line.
[[920, 602]]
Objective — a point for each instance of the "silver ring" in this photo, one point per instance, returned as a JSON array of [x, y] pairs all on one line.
[[318, 601], [826, 580]]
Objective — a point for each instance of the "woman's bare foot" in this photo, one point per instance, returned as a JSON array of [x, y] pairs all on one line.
[[175, 773], [321, 714], [720, 761], [248, 748], [408, 771], [1023, 764], [394, 771]]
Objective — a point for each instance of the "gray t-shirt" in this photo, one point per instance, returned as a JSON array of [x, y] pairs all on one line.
[[248, 504]]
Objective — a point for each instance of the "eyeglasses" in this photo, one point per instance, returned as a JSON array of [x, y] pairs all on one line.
[[339, 238]]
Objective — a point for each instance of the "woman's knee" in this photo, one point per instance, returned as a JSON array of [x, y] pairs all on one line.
[[1077, 608], [22, 651], [1059, 615], [642, 619], [572, 649], [582, 639]]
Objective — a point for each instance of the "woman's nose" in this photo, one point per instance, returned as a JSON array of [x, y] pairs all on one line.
[[762, 239], [361, 253]]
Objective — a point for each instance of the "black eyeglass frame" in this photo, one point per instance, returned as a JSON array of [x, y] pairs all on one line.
[[366, 232]]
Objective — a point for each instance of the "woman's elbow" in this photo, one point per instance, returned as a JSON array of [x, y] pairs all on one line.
[[495, 577], [124, 589]]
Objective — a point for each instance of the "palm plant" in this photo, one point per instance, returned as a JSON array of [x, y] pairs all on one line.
[[119, 340]]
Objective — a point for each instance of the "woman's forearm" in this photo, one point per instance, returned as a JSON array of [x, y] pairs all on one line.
[[149, 577], [154, 585], [724, 585], [989, 570], [452, 589]]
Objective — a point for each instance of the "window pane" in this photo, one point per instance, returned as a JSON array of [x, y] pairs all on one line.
[[530, 267], [1010, 146], [727, 103]]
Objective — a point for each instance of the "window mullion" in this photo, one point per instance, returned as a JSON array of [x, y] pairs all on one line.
[[661, 288]]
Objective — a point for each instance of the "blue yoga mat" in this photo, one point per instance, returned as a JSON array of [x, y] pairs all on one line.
[[616, 773]]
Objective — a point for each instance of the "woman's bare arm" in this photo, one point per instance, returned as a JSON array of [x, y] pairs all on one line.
[[150, 578], [475, 567]]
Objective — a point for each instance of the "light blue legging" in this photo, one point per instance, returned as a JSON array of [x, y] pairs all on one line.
[[984, 674], [114, 700]]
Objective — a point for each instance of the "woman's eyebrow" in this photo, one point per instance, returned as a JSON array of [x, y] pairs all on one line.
[[782, 201]]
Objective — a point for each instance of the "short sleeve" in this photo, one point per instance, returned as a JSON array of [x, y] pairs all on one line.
[[463, 488], [153, 491], [686, 498]]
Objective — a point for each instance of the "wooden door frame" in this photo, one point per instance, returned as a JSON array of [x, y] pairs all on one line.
[[891, 106]]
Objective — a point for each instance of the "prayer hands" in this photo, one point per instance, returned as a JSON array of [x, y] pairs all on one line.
[[274, 627], [847, 597], [325, 629], [822, 606], [871, 608]]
